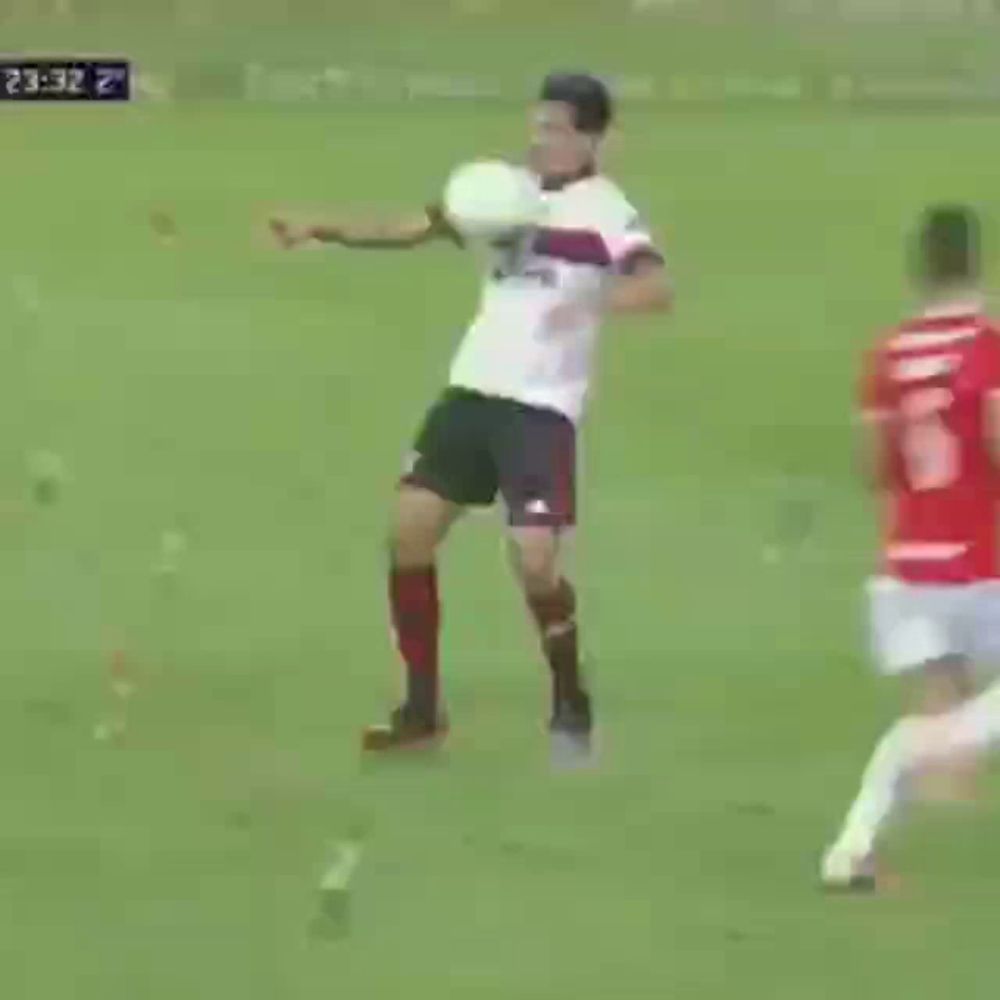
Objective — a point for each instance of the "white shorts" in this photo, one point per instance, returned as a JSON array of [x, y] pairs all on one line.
[[913, 624]]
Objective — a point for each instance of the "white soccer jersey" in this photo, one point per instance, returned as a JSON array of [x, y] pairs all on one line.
[[534, 336]]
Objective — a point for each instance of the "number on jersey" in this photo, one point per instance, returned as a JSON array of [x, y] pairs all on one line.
[[930, 448]]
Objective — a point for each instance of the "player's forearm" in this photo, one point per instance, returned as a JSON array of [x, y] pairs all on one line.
[[873, 473], [641, 293], [873, 460], [401, 235]]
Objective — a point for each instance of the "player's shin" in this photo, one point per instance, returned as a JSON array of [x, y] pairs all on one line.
[[882, 789], [555, 615], [416, 620], [941, 687]]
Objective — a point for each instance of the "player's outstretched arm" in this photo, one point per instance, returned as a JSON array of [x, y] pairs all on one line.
[[398, 234], [874, 421], [873, 462], [645, 288]]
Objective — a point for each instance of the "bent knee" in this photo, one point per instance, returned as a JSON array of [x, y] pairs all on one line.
[[536, 561], [420, 523], [411, 551], [940, 688]]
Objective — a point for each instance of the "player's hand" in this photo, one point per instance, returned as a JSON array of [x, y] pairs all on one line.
[[288, 235]]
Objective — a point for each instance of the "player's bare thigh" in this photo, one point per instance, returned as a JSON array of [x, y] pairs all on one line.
[[923, 634], [937, 689], [938, 686], [420, 523]]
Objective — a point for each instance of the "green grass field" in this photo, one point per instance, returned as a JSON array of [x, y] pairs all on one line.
[[263, 403]]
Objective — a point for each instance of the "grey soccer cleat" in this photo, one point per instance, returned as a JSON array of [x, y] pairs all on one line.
[[571, 735]]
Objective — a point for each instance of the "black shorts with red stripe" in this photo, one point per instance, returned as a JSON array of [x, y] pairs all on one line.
[[472, 447]]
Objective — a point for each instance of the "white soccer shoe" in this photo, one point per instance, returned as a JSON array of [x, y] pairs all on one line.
[[848, 871]]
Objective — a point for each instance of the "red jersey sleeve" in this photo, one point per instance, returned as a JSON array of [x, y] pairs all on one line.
[[988, 362]]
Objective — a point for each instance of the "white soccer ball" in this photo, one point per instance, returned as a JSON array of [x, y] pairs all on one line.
[[490, 199]]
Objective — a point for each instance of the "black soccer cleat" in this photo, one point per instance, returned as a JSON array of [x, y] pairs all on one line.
[[856, 885], [407, 729], [571, 731], [332, 920]]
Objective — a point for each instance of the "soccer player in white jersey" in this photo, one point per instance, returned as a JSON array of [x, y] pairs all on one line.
[[506, 424]]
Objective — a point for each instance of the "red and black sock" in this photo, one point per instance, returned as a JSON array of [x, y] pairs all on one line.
[[555, 616], [416, 620]]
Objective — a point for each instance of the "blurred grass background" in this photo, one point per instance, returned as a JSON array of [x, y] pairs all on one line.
[[260, 404], [517, 38]]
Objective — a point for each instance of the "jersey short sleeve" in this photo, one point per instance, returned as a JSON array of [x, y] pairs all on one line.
[[624, 232]]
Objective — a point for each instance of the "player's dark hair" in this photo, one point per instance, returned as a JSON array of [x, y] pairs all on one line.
[[589, 98], [949, 245]]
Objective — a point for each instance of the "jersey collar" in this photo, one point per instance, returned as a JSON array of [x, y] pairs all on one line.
[[971, 305], [557, 182]]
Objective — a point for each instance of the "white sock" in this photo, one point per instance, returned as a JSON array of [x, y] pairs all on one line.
[[969, 729], [881, 787]]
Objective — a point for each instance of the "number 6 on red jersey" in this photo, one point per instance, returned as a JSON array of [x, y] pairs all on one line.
[[930, 388]]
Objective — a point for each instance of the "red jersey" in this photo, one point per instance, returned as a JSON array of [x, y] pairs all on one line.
[[926, 384]]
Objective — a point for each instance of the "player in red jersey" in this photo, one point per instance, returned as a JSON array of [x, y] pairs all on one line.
[[931, 407]]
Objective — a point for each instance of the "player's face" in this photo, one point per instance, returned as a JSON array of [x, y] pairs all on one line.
[[556, 146]]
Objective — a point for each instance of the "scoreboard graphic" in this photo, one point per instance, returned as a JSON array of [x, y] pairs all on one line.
[[71, 79]]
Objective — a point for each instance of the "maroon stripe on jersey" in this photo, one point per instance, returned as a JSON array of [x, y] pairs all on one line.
[[577, 246]]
